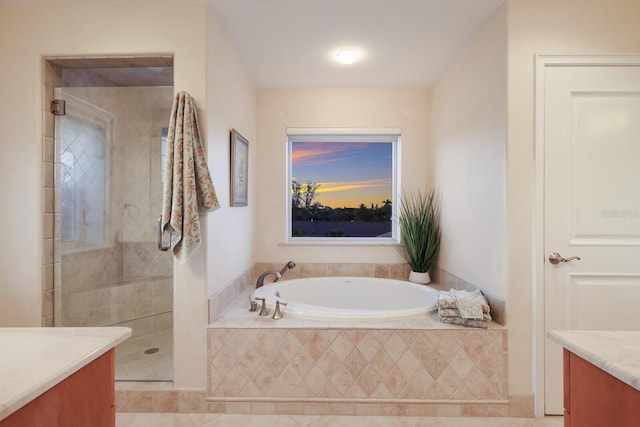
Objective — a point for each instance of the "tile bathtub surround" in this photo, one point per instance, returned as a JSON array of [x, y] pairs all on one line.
[[384, 372], [398, 271], [222, 299]]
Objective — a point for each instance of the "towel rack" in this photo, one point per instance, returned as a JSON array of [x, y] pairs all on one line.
[[160, 233]]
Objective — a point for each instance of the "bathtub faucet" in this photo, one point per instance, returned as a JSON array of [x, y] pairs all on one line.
[[277, 274], [287, 266]]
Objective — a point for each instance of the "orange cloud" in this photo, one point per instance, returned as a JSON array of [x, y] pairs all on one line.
[[314, 153], [352, 194], [327, 187]]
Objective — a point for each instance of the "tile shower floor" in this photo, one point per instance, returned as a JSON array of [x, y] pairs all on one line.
[[136, 359], [228, 420]]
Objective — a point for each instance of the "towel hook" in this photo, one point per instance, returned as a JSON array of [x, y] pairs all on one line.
[[160, 233]]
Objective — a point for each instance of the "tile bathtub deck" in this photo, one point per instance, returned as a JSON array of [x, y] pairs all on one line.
[[237, 315], [210, 420]]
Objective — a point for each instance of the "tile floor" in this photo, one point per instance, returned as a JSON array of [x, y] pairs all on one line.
[[133, 364], [228, 420]]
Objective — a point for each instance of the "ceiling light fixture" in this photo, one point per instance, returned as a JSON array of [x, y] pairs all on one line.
[[347, 56]]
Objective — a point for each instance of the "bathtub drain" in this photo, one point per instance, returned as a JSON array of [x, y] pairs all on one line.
[[151, 350]]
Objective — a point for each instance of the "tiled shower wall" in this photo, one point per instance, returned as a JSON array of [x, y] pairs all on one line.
[[127, 284], [136, 178]]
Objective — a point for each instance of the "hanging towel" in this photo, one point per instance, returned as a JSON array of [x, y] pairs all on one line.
[[188, 191]]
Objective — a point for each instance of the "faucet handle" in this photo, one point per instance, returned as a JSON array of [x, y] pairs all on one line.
[[264, 311], [253, 304], [277, 314]]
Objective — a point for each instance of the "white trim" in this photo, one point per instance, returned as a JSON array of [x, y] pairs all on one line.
[[603, 60], [344, 131], [371, 135], [541, 63]]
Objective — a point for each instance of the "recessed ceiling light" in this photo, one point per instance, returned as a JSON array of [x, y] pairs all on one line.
[[347, 56]]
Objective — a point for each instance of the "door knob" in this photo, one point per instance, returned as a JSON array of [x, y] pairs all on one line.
[[556, 258]]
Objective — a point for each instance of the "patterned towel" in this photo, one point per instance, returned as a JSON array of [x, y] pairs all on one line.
[[188, 191], [449, 308], [469, 303], [474, 323], [447, 300], [454, 312]]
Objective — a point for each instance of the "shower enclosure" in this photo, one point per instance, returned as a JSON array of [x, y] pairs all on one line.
[[110, 127]]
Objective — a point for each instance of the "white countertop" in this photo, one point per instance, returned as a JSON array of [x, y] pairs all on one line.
[[32, 360], [615, 352]]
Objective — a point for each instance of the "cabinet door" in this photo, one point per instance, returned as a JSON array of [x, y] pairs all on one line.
[[597, 399], [84, 399]]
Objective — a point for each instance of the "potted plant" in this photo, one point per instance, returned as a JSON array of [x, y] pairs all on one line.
[[420, 233]]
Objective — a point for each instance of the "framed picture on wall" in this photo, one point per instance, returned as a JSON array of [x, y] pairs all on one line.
[[239, 169]]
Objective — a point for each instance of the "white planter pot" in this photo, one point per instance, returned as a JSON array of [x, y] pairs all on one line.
[[422, 278]]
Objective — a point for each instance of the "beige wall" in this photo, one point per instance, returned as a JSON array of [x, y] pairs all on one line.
[[278, 109], [231, 99], [468, 143], [27, 33], [544, 27]]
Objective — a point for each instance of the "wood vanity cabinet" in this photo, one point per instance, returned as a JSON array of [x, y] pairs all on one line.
[[594, 398], [85, 398]]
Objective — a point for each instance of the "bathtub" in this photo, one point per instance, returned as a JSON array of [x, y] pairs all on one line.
[[349, 298]]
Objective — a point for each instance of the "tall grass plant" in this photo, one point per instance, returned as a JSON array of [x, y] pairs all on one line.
[[420, 229]]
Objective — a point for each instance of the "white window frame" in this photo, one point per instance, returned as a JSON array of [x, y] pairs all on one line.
[[386, 135]]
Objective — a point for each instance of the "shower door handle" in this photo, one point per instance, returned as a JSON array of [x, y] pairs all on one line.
[[160, 234]]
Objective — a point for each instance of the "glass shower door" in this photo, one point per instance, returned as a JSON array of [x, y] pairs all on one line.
[[109, 191]]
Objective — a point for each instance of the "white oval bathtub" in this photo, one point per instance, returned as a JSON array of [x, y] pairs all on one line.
[[343, 298]]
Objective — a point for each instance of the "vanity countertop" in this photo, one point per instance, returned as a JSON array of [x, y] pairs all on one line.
[[615, 352], [32, 360]]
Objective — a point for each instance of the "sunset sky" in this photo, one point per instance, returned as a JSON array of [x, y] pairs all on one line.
[[348, 173]]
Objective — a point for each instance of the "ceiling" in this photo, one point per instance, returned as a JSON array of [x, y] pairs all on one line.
[[403, 43]]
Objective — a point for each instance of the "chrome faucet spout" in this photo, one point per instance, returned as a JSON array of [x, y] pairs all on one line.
[[277, 274], [261, 278]]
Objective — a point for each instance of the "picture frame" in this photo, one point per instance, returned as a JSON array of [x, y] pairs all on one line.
[[239, 169]]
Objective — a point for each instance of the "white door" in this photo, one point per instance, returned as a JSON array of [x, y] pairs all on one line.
[[591, 205]]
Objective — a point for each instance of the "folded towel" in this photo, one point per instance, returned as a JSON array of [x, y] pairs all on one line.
[[447, 300], [454, 312], [188, 191], [474, 323], [469, 303], [464, 308]]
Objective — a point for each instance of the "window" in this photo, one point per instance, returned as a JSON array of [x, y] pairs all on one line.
[[82, 140], [342, 185], [82, 156]]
